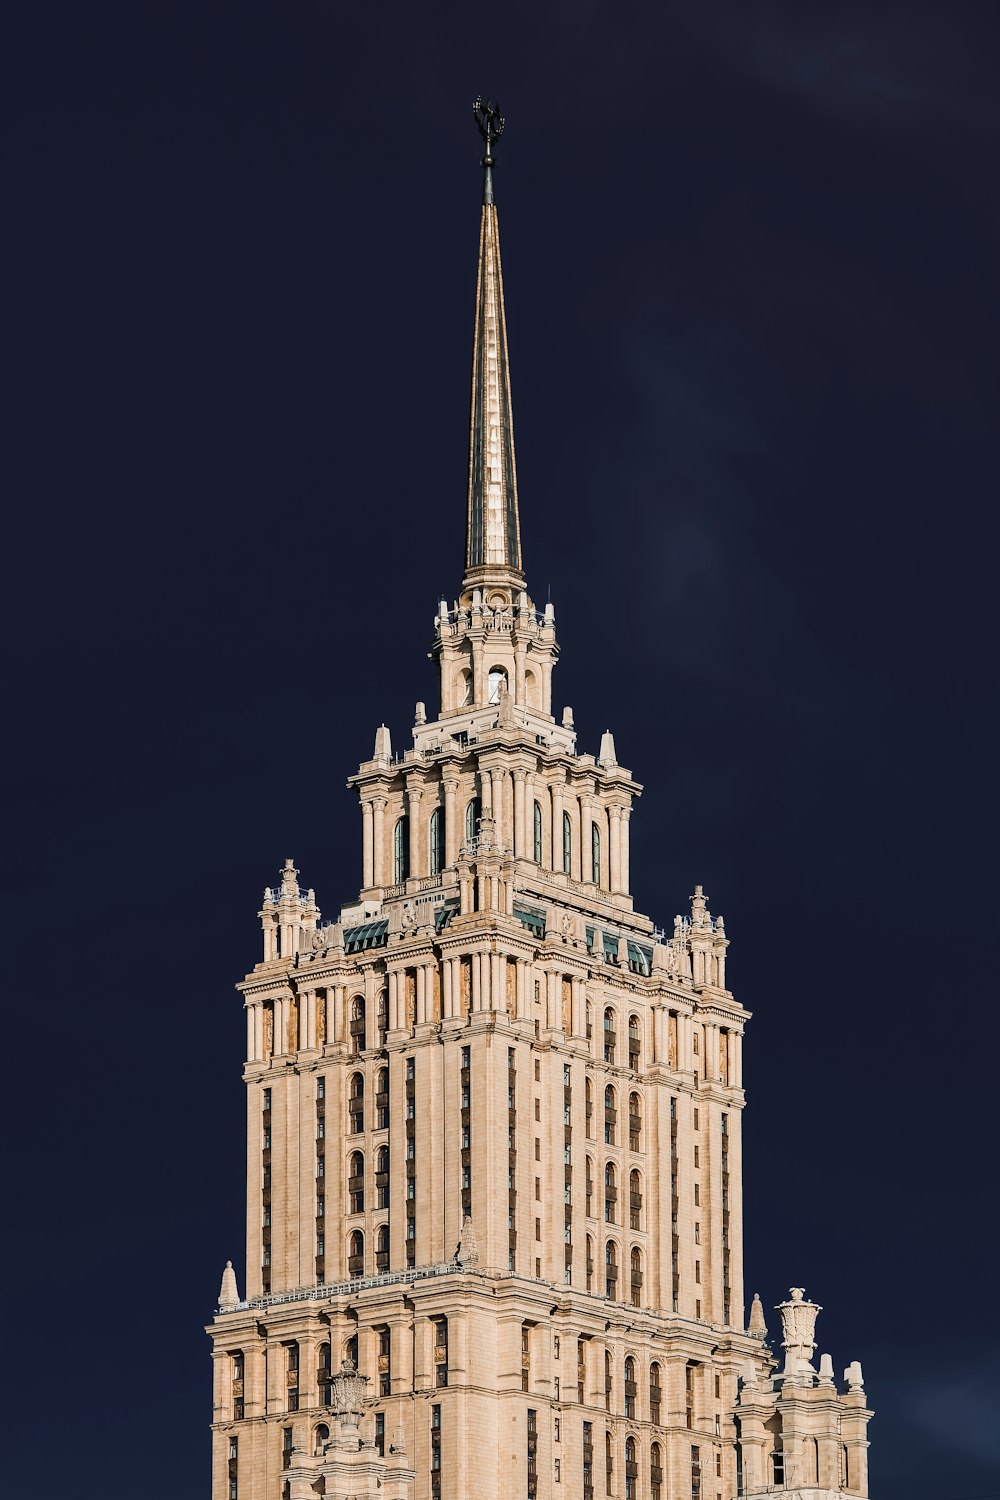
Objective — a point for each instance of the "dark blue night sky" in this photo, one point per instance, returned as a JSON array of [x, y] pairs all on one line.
[[750, 255]]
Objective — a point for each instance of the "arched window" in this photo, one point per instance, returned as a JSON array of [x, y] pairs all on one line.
[[382, 1177], [634, 1042], [609, 1456], [465, 688], [351, 1349], [608, 1382], [356, 1253], [358, 1023], [655, 1395], [356, 1183], [630, 1389], [631, 1467], [611, 1269], [590, 1263], [356, 1102], [634, 1122], [382, 1015], [495, 684], [401, 850], [382, 1248], [610, 1192], [588, 1108], [320, 1437], [635, 1270], [589, 1184], [436, 841], [634, 1200], [655, 1471], [538, 833], [595, 854], [382, 1099], [610, 1035], [473, 813], [567, 843], [610, 1116]]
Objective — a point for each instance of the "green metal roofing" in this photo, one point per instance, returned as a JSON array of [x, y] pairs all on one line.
[[532, 918], [368, 935]]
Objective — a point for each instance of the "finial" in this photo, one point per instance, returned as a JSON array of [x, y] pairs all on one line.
[[228, 1295], [490, 122], [757, 1324]]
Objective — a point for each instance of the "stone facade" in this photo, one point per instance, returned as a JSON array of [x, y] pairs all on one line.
[[494, 1160]]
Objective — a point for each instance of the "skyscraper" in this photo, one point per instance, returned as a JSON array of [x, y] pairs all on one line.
[[494, 1161]]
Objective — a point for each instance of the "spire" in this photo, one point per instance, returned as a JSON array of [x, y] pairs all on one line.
[[493, 537]]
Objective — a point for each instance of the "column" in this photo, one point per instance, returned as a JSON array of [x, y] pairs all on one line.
[[446, 977], [378, 840], [452, 836], [367, 845], [557, 825], [421, 994], [614, 848], [626, 814], [478, 681], [251, 1041], [520, 696], [498, 777], [519, 849], [522, 989], [486, 792], [498, 996], [414, 797], [477, 986], [258, 1032]]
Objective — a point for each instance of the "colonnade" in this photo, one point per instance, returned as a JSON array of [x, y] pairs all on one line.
[[508, 796]]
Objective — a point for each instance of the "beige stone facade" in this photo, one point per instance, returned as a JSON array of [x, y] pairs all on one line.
[[494, 1143]]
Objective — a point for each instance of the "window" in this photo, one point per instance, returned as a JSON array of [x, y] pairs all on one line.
[[286, 1447], [567, 843], [595, 854], [538, 833], [654, 1393], [384, 1362], [356, 1183], [380, 1433], [357, 1027], [610, 1116], [401, 850], [610, 1037], [635, 1277], [631, 1469], [634, 1200], [320, 1438], [382, 1177], [473, 813], [356, 1253], [356, 1103], [655, 1472], [436, 842], [610, 1193], [382, 1102], [630, 1387], [440, 1352], [610, 1269], [634, 1042], [496, 683]]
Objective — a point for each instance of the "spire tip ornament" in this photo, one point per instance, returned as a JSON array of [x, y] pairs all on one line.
[[490, 123]]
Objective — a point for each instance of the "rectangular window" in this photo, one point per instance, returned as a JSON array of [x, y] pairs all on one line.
[[380, 1433], [321, 1088]]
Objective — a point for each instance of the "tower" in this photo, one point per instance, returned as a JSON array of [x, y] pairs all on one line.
[[494, 1163]]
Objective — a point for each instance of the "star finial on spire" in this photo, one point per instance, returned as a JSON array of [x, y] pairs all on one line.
[[490, 122]]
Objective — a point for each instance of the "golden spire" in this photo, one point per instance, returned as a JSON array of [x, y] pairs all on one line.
[[493, 539]]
